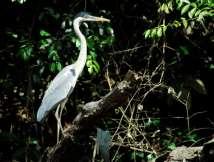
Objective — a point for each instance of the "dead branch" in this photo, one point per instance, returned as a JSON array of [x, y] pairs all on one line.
[[90, 114]]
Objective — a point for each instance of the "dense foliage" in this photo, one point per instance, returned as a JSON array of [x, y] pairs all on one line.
[[170, 43]]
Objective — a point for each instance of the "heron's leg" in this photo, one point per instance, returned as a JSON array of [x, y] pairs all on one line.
[[58, 121], [58, 115]]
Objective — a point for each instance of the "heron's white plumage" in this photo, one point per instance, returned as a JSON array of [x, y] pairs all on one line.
[[59, 89], [64, 82]]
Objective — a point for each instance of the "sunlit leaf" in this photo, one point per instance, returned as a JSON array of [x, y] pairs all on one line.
[[185, 1], [44, 33], [185, 9], [189, 30], [199, 86], [25, 51], [52, 54], [185, 22], [170, 6], [44, 43], [171, 146], [192, 12], [89, 63], [159, 32], [111, 31], [197, 13], [202, 15], [147, 33], [96, 67], [150, 157], [90, 70], [77, 43], [179, 4], [176, 23], [153, 32], [165, 8]]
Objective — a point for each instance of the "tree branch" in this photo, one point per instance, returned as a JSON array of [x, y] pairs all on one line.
[[91, 114]]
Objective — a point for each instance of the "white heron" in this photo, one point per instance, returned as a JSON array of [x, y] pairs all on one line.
[[63, 84]]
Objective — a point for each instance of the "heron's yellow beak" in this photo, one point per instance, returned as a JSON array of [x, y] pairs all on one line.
[[95, 18], [102, 19]]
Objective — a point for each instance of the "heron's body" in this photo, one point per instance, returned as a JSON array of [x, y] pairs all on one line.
[[59, 89], [64, 82]]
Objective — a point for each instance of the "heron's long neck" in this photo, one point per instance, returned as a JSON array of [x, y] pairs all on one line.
[[80, 63]]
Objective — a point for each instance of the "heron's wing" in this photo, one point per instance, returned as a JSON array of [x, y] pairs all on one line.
[[58, 90], [66, 75]]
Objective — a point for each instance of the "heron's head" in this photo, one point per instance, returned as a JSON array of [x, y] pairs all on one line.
[[84, 16]]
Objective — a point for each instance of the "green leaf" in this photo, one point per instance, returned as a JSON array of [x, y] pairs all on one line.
[[89, 63], [90, 70], [197, 13], [211, 66], [44, 33], [25, 51], [96, 66], [170, 6], [192, 137], [95, 69], [192, 12], [136, 154], [164, 29], [90, 42], [194, 5], [73, 39], [199, 86], [153, 33], [12, 34], [44, 43], [159, 32], [171, 146], [183, 50], [202, 15], [185, 22], [92, 54], [179, 4], [185, 9], [176, 23], [77, 43], [189, 30], [165, 8], [150, 157], [52, 54], [58, 66], [185, 1], [53, 67], [147, 33]]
